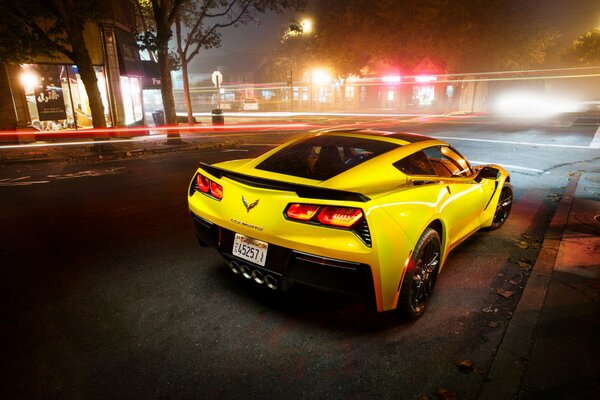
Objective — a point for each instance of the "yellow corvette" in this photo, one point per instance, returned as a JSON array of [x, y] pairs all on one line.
[[358, 210]]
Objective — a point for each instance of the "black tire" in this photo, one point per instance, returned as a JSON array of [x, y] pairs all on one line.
[[503, 207], [421, 275]]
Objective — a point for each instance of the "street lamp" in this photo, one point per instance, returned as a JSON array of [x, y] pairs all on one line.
[[318, 77], [302, 28]]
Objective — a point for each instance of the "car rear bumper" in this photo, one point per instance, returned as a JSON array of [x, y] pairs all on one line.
[[285, 266]]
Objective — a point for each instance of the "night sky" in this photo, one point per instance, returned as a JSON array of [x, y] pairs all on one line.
[[248, 44]]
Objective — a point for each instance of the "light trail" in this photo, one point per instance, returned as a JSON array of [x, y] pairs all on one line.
[[567, 146], [507, 166]]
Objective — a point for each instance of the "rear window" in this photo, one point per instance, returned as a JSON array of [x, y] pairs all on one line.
[[324, 157]]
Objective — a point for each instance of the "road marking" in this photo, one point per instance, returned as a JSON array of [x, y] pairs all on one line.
[[595, 144], [568, 146], [508, 166], [19, 181], [22, 180]]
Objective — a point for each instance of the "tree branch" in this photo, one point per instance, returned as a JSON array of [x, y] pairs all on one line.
[[212, 30], [224, 13], [39, 32]]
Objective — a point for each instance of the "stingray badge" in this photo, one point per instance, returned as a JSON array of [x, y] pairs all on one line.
[[249, 206]]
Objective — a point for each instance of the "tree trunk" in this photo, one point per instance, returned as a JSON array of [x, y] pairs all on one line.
[[82, 58], [166, 91], [186, 92]]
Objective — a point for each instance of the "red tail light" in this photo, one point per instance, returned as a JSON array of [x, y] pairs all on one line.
[[203, 183], [302, 212], [216, 190], [208, 187], [344, 217]]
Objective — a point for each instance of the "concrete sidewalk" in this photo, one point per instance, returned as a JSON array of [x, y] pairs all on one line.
[[551, 347], [86, 150]]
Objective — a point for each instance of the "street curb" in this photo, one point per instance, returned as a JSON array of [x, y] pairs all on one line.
[[509, 366]]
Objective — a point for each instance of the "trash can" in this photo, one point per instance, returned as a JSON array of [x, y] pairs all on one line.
[[217, 117], [159, 117]]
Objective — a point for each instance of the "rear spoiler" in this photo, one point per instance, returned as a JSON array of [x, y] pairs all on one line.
[[304, 191]]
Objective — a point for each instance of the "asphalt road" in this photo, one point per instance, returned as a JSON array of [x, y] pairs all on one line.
[[106, 293]]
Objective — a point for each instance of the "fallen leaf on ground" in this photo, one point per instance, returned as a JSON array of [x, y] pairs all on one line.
[[445, 394], [525, 265], [465, 366], [554, 196], [514, 283], [504, 293], [494, 324], [521, 244]]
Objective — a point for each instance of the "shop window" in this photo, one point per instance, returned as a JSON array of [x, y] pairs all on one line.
[[132, 99], [56, 97], [349, 93], [423, 95]]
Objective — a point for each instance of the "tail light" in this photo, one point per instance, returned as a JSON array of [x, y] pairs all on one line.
[[206, 186], [216, 190], [302, 212], [203, 183], [342, 217]]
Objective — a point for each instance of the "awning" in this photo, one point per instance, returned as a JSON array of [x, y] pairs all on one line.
[[151, 75], [129, 56]]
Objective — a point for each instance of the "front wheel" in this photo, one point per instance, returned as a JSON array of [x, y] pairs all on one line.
[[421, 274], [503, 207]]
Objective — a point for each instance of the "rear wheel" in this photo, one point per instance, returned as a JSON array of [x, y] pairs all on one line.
[[503, 207], [421, 274]]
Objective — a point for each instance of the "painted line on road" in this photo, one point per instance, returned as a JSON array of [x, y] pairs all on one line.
[[508, 166], [595, 144], [568, 146]]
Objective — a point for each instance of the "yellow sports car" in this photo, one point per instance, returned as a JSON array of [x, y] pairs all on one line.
[[356, 210]]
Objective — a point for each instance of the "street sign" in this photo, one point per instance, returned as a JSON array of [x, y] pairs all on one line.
[[217, 78]]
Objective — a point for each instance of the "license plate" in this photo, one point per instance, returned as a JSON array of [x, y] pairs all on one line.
[[250, 249]]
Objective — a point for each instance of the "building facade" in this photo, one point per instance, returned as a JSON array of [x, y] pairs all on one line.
[[48, 93]]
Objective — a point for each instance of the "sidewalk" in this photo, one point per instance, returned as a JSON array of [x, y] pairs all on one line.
[[551, 346], [86, 150]]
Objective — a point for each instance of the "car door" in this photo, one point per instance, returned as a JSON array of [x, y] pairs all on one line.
[[463, 209]]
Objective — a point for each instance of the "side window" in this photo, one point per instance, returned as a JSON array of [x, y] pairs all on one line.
[[415, 164], [447, 162]]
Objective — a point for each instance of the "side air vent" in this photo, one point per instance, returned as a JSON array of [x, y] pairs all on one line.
[[363, 232]]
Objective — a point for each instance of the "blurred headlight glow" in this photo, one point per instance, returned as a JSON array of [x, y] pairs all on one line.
[[533, 105]]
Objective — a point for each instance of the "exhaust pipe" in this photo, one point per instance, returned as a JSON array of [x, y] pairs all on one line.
[[246, 272], [234, 267], [271, 282], [258, 277]]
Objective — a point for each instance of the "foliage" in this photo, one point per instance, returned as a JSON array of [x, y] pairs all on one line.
[[465, 36], [30, 28], [585, 49], [33, 28]]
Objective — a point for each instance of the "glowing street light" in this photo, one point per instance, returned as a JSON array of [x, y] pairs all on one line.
[[320, 77], [307, 25]]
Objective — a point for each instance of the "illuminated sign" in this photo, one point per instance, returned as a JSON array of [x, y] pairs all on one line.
[[425, 78], [391, 78]]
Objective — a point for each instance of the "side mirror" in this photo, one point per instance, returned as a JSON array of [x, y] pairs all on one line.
[[487, 173]]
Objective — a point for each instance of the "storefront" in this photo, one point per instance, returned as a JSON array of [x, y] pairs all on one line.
[[131, 74], [56, 97]]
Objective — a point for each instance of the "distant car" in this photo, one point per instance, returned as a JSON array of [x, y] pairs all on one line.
[[249, 105], [360, 211]]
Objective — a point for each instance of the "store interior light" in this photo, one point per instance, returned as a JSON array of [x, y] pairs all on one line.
[[29, 80]]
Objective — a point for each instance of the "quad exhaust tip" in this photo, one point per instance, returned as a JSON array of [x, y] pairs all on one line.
[[246, 272], [255, 275]]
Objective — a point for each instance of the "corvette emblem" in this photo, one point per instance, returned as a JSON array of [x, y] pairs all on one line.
[[249, 206]]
